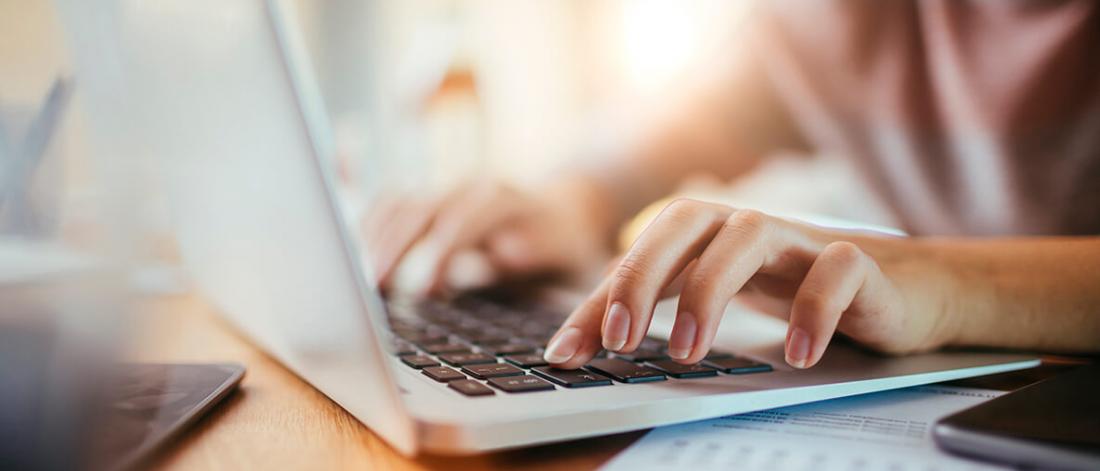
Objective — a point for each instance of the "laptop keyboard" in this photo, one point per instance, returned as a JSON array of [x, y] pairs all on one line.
[[476, 348]]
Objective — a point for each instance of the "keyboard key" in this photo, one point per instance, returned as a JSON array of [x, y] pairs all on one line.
[[572, 378], [718, 355], [508, 349], [418, 361], [422, 338], [492, 371], [529, 360], [642, 354], [518, 384], [538, 341], [737, 366], [625, 371], [442, 373], [677, 370], [488, 338], [463, 359], [470, 387], [445, 347]]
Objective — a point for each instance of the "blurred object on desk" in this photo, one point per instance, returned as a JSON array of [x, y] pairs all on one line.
[[23, 210], [66, 195], [70, 232], [61, 320]]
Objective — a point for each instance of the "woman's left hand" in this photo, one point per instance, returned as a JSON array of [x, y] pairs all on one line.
[[866, 287]]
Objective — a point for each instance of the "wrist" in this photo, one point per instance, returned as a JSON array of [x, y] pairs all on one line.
[[934, 295], [962, 297]]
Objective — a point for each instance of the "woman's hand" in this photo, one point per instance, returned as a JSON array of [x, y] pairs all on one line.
[[492, 229], [707, 253]]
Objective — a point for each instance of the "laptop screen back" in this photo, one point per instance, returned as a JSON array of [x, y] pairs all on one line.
[[219, 99]]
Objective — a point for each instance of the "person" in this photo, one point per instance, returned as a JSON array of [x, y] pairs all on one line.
[[977, 123]]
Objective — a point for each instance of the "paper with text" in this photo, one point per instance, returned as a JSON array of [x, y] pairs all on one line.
[[888, 430]]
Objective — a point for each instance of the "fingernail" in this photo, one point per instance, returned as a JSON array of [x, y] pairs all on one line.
[[682, 338], [616, 327], [798, 348], [563, 346]]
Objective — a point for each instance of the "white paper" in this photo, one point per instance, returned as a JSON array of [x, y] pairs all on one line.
[[888, 430]]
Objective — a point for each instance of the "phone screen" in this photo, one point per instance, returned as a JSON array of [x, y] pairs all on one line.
[[1051, 424], [148, 404]]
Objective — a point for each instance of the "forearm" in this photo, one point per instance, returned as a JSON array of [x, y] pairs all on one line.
[[1034, 293], [1040, 293]]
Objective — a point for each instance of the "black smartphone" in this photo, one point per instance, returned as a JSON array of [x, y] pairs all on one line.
[[1052, 424], [149, 404]]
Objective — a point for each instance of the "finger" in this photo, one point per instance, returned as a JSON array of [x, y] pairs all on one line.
[[465, 223], [578, 339], [406, 224], [677, 236], [837, 277], [677, 284], [519, 249], [735, 254]]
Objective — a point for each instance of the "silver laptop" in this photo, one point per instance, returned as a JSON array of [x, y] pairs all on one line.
[[221, 95]]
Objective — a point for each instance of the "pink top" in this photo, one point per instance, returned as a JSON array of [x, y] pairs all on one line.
[[965, 117]]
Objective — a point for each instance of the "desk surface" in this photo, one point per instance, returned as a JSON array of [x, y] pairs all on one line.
[[277, 421]]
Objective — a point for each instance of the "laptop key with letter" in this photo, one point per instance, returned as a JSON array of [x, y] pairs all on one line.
[[518, 384], [508, 349], [530, 360], [445, 347], [418, 361], [624, 371], [677, 370], [737, 366], [442, 373], [470, 387], [463, 359], [492, 370], [642, 354], [572, 378]]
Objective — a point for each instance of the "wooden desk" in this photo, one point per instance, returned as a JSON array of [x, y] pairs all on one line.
[[277, 421]]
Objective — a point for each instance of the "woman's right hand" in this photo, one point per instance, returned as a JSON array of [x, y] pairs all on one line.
[[479, 234]]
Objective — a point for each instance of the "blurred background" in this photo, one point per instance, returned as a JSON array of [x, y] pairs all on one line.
[[512, 87], [451, 89]]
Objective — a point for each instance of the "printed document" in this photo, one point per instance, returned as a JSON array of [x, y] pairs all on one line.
[[889, 430]]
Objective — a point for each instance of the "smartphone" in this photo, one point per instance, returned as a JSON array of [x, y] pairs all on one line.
[[150, 404], [1052, 424]]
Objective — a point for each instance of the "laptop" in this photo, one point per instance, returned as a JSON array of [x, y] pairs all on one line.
[[221, 95]]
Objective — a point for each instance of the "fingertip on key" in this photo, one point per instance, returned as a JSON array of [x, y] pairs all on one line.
[[798, 348], [563, 346], [683, 336], [616, 327]]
